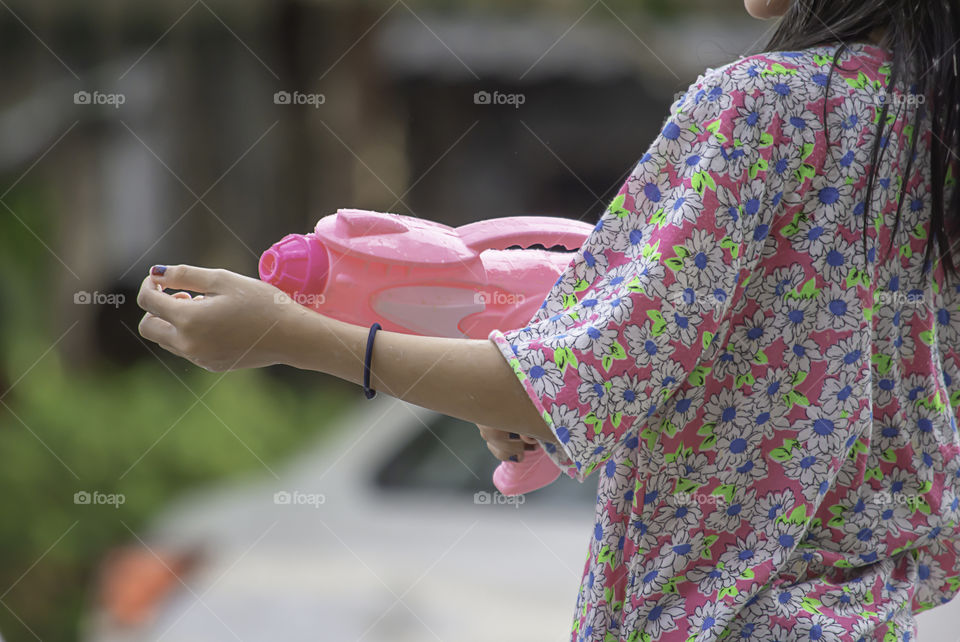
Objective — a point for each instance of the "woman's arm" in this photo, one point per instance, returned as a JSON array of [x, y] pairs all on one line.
[[464, 378], [242, 322]]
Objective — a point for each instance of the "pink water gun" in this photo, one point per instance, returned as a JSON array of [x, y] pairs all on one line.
[[421, 277]]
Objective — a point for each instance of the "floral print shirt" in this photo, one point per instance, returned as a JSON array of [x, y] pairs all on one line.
[[768, 404]]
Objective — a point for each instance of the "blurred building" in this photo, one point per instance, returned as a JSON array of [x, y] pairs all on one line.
[[197, 162]]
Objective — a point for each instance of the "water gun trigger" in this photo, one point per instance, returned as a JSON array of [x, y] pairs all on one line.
[[501, 233]]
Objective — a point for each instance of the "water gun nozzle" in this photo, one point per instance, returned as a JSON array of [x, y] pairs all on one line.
[[297, 263]]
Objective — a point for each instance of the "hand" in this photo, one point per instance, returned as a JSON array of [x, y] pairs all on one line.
[[234, 323], [506, 446]]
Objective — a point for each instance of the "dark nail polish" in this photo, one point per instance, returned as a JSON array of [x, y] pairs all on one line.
[[514, 435], [514, 458], [158, 270], [529, 446]]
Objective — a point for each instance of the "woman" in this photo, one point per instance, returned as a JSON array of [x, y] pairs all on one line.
[[755, 352]]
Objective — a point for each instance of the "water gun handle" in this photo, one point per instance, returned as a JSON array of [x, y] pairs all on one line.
[[536, 470], [501, 233]]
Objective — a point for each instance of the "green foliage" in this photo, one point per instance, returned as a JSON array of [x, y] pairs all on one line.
[[137, 431]]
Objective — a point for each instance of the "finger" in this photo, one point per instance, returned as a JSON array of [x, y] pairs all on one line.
[[187, 277], [489, 433], [152, 299], [174, 351], [183, 295], [158, 330], [529, 440], [504, 454]]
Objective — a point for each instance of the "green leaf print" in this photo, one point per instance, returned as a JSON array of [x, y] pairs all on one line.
[[698, 375], [581, 285], [674, 263], [726, 491], [616, 206], [729, 244], [798, 516], [659, 218], [652, 252], [760, 166], [659, 323], [564, 357], [685, 486], [784, 452], [883, 363], [872, 473], [708, 541], [701, 181], [806, 171]]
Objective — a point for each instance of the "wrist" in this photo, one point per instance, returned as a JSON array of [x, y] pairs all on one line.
[[293, 335], [311, 341]]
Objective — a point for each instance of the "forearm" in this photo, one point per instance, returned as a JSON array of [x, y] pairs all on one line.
[[463, 378]]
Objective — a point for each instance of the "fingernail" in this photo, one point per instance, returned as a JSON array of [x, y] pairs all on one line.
[[158, 270], [529, 446], [514, 435], [514, 458]]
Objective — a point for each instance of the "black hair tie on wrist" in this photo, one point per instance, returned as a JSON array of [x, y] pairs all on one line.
[[366, 362]]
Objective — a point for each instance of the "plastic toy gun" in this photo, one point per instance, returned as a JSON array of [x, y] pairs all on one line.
[[421, 277]]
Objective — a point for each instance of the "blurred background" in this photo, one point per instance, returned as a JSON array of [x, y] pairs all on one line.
[[144, 498]]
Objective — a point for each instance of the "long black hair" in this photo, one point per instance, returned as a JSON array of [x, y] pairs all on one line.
[[923, 36]]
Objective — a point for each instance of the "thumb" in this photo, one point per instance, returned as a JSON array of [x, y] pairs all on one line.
[[186, 277]]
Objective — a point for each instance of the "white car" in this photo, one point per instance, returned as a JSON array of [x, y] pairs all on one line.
[[388, 530]]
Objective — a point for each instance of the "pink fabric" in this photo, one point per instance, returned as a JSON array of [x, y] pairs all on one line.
[[770, 413]]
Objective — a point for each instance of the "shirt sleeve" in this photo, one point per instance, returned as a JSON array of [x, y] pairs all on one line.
[[639, 308]]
